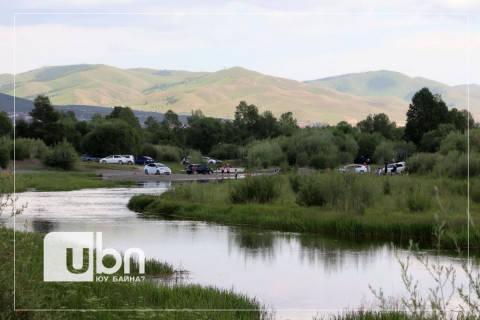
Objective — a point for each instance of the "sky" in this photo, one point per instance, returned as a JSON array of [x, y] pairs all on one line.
[[439, 40]]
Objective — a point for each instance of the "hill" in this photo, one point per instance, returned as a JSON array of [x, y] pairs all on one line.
[[350, 97], [394, 84]]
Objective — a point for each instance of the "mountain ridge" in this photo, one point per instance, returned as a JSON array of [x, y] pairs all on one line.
[[349, 97]]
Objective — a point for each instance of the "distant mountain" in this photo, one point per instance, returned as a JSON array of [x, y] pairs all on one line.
[[82, 112], [394, 84], [350, 97]]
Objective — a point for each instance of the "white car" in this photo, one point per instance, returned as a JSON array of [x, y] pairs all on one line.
[[400, 168], [130, 159], [208, 160], [157, 168], [359, 168], [114, 159]]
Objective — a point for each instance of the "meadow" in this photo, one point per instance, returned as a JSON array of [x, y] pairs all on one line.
[[394, 208]]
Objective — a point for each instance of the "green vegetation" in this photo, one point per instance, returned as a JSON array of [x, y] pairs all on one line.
[[150, 298], [395, 208]]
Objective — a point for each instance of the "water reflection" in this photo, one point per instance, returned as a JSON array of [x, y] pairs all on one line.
[[283, 270]]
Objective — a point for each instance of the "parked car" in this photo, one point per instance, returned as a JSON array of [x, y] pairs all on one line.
[[198, 168], [208, 160], [362, 160], [130, 159], [157, 168], [113, 159], [359, 168], [87, 158], [400, 168], [144, 160]]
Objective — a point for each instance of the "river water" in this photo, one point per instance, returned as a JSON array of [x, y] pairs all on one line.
[[296, 275]]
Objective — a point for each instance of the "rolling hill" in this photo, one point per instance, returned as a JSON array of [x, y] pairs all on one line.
[[350, 97]]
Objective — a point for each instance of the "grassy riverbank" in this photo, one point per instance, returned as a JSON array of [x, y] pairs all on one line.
[[397, 208], [54, 298]]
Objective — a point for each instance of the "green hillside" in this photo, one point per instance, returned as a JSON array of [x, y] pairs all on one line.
[[392, 84], [350, 97]]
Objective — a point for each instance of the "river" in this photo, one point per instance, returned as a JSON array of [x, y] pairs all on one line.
[[296, 275]]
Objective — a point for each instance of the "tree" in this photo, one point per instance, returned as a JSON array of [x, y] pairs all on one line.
[[45, 124], [247, 120], [366, 126], [425, 113], [112, 137], [126, 114], [197, 114], [171, 122], [205, 133], [6, 126], [268, 125], [287, 123]]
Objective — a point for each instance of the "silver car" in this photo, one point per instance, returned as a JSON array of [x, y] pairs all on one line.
[[359, 168], [157, 168], [113, 159]]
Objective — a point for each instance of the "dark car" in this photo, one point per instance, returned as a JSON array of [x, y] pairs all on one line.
[[198, 168], [143, 160], [362, 160], [87, 158]]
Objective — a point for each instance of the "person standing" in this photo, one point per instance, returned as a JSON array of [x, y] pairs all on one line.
[[236, 173]]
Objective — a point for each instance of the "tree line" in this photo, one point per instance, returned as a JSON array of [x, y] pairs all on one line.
[[261, 139]]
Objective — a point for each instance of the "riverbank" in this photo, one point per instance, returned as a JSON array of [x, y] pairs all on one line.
[[151, 298], [357, 207]]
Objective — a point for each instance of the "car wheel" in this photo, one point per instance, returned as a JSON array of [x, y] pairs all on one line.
[[210, 172], [158, 172], [130, 162], [104, 161], [89, 160], [146, 171], [120, 162]]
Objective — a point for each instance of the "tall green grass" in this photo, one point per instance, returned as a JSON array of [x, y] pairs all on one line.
[[150, 298], [260, 189], [351, 206]]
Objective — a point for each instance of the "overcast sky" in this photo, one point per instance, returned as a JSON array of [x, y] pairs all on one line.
[[439, 40]]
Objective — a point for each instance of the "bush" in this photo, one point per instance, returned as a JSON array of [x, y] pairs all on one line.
[[149, 150], [318, 161], [261, 189], [169, 153], [387, 188], [423, 163], [226, 151], [418, 201], [62, 155], [21, 149], [265, 154], [475, 192], [348, 192], [302, 159], [4, 156]]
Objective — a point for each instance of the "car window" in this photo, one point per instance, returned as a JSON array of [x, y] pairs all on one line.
[[399, 165]]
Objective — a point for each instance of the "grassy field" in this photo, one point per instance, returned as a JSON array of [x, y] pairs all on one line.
[[397, 208], [33, 293]]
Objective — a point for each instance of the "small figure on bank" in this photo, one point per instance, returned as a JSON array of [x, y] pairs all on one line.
[[386, 171], [236, 173], [228, 168]]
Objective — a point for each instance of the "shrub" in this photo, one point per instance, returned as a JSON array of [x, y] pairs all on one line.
[[149, 150], [418, 201], [226, 151], [62, 155], [261, 189], [475, 192], [348, 192], [423, 163], [4, 156], [264, 154], [387, 188], [21, 149], [169, 153], [302, 159]]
